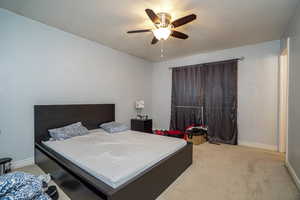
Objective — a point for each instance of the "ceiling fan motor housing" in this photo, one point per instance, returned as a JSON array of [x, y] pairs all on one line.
[[164, 27], [165, 19]]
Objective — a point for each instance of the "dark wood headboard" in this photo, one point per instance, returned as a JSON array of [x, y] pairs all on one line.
[[54, 116]]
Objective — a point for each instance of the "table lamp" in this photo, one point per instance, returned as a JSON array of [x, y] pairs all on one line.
[[139, 105]]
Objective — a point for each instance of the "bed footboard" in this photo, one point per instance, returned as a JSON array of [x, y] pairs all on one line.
[[77, 184]]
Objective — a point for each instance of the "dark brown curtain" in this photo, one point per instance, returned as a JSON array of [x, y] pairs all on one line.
[[213, 87], [187, 96]]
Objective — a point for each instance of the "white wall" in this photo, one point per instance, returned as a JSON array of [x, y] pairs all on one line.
[[43, 65], [293, 33], [257, 91]]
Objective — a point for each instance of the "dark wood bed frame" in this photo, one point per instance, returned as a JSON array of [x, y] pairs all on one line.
[[77, 183]]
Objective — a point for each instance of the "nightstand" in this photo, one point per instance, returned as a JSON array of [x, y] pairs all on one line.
[[141, 125]]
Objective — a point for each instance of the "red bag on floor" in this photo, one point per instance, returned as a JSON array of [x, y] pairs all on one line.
[[159, 132], [175, 132], [172, 133]]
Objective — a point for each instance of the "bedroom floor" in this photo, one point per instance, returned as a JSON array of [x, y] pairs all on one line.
[[229, 173]]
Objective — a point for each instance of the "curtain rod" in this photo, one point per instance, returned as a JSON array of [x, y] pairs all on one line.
[[239, 59]]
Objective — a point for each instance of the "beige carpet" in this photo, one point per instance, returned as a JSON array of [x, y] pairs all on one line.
[[228, 173]]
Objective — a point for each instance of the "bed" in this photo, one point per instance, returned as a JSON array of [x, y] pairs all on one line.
[[138, 170]]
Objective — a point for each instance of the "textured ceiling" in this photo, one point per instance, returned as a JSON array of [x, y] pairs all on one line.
[[220, 24]]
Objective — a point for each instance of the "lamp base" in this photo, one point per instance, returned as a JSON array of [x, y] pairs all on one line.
[[139, 113]]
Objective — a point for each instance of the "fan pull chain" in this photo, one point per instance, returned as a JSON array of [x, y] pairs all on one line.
[[162, 49]]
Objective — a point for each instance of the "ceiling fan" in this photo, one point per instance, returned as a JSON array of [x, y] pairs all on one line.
[[164, 27]]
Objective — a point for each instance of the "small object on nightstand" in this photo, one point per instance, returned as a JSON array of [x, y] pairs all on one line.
[[142, 117], [141, 125], [5, 165]]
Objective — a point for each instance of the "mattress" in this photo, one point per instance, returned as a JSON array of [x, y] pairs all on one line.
[[116, 158]]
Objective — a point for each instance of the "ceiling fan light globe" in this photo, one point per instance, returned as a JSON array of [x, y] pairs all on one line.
[[162, 33]]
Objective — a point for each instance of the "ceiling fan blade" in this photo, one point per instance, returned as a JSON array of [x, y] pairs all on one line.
[[154, 40], [184, 20], [151, 14], [140, 31], [179, 35]]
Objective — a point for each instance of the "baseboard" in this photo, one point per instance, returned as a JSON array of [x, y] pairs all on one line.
[[258, 145], [293, 174], [22, 163]]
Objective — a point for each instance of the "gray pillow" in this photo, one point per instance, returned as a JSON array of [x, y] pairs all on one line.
[[69, 131], [114, 127]]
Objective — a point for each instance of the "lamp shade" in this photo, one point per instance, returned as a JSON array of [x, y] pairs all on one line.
[[140, 104]]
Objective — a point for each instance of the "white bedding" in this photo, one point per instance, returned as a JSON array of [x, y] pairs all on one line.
[[116, 158]]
